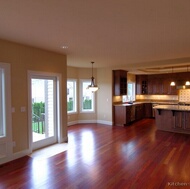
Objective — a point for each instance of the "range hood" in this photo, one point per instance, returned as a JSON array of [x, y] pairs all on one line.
[[180, 84]]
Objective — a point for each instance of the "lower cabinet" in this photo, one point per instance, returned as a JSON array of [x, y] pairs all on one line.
[[148, 110], [182, 120], [173, 120], [124, 115], [139, 111]]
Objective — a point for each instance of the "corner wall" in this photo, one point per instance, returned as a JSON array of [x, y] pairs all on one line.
[[23, 58], [103, 109]]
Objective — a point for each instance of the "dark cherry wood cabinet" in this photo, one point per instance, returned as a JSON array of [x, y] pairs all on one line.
[[166, 86], [155, 84], [128, 115], [182, 120], [159, 84], [120, 82], [141, 84], [179, 120], [148, 110], [173, 120], [122, 115], [139, 111]]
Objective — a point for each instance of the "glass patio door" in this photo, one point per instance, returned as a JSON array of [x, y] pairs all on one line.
[[43, 93]]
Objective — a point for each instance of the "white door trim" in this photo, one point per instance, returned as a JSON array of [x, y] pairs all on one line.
[[6, 142], [58, 104]]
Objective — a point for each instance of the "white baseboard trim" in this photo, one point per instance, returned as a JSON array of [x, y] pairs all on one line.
[[21, 154], [105, 122], [5, 159], [72, 123], [15, 156], [89, 121]]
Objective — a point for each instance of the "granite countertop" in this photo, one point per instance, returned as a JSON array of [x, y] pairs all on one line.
[[173, 107], [128, 104], [143, 102]]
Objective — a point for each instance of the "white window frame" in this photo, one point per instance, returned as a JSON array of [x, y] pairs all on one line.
[[6, 142], [81, 98], [74, 95], [133, 91], [2, 104]]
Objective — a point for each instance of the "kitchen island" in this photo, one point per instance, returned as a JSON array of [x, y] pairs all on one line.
[[173, 118], [126, 113]]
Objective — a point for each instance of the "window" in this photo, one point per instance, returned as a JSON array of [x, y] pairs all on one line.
[[131, 91], [2, 104], [5, 114], [71, 96], [87, 102]]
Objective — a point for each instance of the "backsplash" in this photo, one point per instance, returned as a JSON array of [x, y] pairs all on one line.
[[117, 99], [184, 95], [157, 97]]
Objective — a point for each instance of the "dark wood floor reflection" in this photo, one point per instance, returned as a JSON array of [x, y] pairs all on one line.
[[106, 157]]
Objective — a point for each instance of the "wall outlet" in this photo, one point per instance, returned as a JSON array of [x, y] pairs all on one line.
[[23, 109]]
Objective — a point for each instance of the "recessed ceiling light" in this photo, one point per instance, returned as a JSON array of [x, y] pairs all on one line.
[[64, 47]]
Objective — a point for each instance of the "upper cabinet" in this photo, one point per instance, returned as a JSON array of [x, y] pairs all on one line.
[[167, 89], [155, 84], [120, 82], [158, 84], [141, 84]]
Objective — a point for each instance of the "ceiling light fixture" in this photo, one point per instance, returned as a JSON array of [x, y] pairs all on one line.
[[64, 47], [92, 87], [187, 82], [173, 82]]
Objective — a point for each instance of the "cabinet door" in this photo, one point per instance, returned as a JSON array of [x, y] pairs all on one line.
[[138, 85], [155, 86], [148, 110], [173, 90], [139, 111], [187, 121], [120, 82], [150, 86], [128, 114], [116, 84], [167, 89], [119, 115], [166, 86], [141, 84], [179, 120]]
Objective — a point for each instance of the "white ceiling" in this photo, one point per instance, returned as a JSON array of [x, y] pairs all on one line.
[[128, 34]]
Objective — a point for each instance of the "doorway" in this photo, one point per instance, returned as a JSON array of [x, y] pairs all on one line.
[[44, 112]]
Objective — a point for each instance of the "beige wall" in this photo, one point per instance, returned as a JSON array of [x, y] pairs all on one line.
[[131, 78], [103, 77], [78, 74], [104, 95], [23, 58]]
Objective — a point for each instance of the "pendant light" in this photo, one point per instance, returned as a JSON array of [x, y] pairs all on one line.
[[172, 82], [187, 82], [92, 87]]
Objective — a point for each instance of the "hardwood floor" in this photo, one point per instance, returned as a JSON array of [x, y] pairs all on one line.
[[106, 157]]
